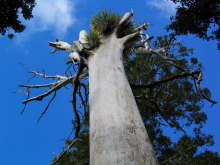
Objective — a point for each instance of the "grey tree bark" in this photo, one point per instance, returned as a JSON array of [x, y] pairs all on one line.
[[117, 132]]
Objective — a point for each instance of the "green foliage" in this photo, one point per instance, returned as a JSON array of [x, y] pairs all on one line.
[[199, 17], [79, 154], [104, 22], [9, 15], [184, 152], [93, 39]]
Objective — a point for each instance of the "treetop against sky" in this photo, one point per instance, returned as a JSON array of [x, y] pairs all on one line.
[[29, 51]]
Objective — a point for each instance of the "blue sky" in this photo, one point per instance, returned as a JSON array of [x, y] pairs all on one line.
[[22, 140]]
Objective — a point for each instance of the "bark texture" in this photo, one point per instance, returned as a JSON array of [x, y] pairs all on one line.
[[117, 132]]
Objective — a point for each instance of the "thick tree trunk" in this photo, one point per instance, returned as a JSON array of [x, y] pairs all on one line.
[[117, 133]]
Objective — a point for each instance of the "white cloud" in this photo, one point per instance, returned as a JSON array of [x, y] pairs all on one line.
[[166, 7], [56, 15]]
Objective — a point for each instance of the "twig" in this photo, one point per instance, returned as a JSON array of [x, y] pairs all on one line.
[[141, 27], [167, 59], [197, 81], [168, 120], [45, 110], [46, 76], [40, 86], [28, 95], [57, 87]]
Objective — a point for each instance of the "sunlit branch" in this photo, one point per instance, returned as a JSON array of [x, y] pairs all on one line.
[[46, 76], [141, 27], [126, 17], [57, 87]]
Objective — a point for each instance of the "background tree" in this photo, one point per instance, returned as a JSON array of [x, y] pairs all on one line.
[[199, 17], [10, 11], [161, 75]]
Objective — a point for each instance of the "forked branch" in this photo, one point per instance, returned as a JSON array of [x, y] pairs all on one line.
[[45, 94]]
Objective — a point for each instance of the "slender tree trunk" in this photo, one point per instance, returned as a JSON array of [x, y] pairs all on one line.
[[117, 132]]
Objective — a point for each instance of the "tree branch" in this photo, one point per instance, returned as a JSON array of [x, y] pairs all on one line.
[[141, 27], [168, 120], [57, 87], [171, 78], [28, 95], [129, 37], [197, 81], [65, 151], [40, 86], [51, 76], [59, 45], [76, 85], [47, 107], [126, 17]]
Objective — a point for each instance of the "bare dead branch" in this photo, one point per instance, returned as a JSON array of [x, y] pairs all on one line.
[[28, 95], [59, 45], [40, 86], [129, 37], [141, 27], [126, 17], [47, 107], [68, 69], [46, 76], [57, 87]]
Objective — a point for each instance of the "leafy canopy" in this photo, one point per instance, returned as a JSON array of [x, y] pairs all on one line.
[[10, 11], [199, 17]]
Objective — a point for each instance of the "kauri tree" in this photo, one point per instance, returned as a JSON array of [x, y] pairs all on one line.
[[161, 78]]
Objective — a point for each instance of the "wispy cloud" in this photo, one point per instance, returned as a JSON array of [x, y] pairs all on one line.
[[166, 7], [56, 15]]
